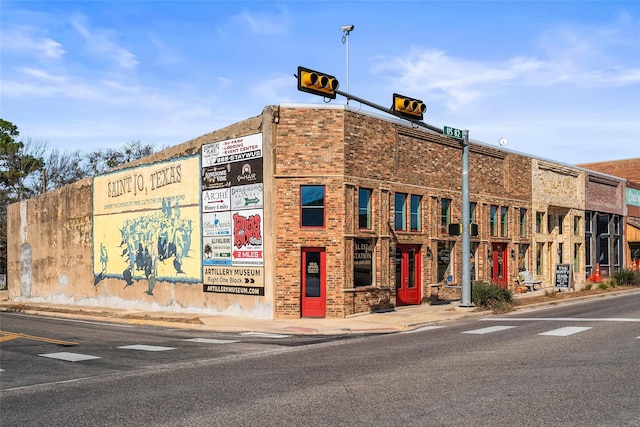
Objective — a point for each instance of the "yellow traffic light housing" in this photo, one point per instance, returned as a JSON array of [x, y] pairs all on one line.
[[408, 108], [317, 83]]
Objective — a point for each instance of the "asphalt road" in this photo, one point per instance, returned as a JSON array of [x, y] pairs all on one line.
[[572, 365]]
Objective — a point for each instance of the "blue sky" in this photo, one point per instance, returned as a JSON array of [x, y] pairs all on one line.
[[559, 80]]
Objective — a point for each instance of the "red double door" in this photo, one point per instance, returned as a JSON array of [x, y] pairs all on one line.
[[407, 274]]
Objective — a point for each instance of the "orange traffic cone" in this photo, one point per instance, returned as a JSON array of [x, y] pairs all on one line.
[[596, 276]]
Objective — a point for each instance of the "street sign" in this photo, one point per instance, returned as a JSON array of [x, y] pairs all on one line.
[[452, 132]]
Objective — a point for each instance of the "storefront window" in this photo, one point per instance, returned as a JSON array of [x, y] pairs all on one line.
[[363, 262], [445, 261], [523, 257]]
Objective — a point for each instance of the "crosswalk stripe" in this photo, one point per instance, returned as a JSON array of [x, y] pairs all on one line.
[[146, 347], [263, 335], [563, 332], [211, 341], [488, 330], [69, 357], [423, 328], [562, 319]]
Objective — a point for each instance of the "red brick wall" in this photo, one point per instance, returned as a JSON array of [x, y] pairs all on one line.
[[345, 151]]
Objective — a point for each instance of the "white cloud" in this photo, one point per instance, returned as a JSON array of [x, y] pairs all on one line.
[[24, 41], [262, 23], [101, 42]]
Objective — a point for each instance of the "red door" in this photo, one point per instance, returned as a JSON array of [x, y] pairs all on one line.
[[499, 266], [407, 274], [313, 301]]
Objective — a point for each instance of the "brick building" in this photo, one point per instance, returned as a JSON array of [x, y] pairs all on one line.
[[629, 169], [304, 210]]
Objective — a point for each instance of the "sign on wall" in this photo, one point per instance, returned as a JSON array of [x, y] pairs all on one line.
[[232, 216], [633, 197], [147, 224]]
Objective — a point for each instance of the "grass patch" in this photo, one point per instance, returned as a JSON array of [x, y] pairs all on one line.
[[627, 277], [492, 297]]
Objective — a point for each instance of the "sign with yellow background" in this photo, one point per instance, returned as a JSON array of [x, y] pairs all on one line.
[[147, 223]]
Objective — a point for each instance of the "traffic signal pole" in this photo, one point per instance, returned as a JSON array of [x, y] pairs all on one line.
[[411, 110], [466, 220], [466, 214]]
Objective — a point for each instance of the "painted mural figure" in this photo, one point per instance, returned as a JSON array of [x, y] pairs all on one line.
[[148, 239]]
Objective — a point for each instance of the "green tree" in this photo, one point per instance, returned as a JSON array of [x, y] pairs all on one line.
[[16, 167]]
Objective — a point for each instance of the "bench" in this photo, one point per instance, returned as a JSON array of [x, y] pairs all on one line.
[[526, 278]]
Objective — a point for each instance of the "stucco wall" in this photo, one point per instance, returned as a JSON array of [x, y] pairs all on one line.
[[52, 252]]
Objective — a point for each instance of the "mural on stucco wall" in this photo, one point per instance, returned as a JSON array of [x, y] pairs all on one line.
[[146, 224]]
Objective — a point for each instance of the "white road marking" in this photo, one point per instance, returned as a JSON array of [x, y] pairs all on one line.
[[562, 319], [211, 341], [489, 330], [563, 332], [263, 334], [69, 357], [423, 328], [146, 347]]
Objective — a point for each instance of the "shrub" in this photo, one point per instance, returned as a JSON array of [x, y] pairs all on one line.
[[588, 286], [627, 277], [603, 286], [491, 296]]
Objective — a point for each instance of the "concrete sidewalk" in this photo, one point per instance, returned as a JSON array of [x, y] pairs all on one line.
[[400, 319]]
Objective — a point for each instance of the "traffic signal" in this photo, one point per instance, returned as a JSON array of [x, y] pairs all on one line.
[[317, 83], [407, 107]]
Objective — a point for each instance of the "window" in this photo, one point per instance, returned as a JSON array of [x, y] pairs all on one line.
[[560, 223], [539, 221], [472, 213], [550, 224], [576, 257], [504, 221], [493, 220], [400, 217], [523, 257], [588, 223], [364, 208], [560, 253], [415, 213], [445, 216], [576, 225], [539, 255], [523, 223], [312, 205], [603, 224], [363, 262], [445, 261]]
